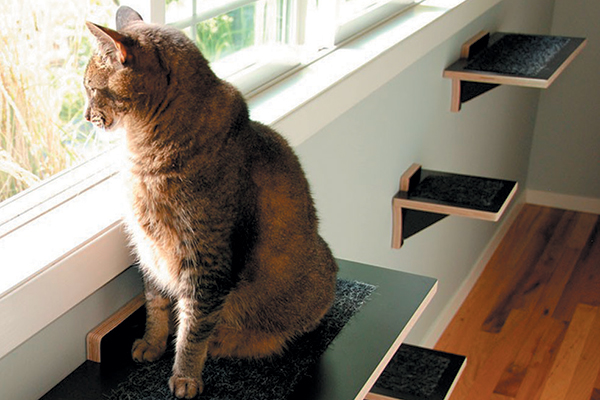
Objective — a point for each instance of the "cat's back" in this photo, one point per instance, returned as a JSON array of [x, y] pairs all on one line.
[[276, 169]]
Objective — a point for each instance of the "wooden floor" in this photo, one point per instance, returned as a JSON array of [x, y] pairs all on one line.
[[530, 328]]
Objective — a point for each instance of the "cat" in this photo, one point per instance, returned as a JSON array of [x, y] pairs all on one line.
[[219, 209]]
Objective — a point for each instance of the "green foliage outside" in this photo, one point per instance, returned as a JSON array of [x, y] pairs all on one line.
[[227, 33], [44, 47]]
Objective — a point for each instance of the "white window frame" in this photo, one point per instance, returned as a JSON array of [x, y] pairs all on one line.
[[253, 69], [84, 245], [355, 16]]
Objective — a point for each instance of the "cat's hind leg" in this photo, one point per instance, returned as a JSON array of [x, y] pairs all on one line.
[[245, 343]]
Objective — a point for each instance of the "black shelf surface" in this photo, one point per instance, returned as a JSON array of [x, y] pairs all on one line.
[[417, 373], [347, 369], [461, 191], [518, 59]]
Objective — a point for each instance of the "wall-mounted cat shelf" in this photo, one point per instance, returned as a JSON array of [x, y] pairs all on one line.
[[426, 197], [509, 59]]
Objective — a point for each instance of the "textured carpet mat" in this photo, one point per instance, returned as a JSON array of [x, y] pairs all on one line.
[[414, 372], [462, 190], [516, 54], [273, 379]]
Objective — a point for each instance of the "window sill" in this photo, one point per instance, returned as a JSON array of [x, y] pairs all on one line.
[[80, 245], [343, 78], [58, 260]]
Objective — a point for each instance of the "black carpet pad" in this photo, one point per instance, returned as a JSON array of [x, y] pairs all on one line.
[[417, 373], [516, 54], [234, 379], [461, 190], [413, 372]]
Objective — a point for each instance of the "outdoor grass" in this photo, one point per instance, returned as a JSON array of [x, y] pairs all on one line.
[[43, 52], [44, 48]]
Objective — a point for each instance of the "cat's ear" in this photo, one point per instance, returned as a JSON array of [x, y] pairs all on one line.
[[125, 16], [116, 46]]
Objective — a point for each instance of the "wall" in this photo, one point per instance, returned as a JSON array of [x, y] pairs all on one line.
[[565, 158], [37, 365], [355, 163]]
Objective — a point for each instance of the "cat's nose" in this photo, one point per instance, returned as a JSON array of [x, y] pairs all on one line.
[[88, 114]]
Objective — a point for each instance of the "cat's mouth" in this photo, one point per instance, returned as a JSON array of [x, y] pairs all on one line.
[[101, 121]]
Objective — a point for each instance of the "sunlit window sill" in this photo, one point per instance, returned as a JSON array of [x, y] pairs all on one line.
[[70, 252]]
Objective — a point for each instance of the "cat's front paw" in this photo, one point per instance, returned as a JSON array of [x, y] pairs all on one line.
[[144, 351], [185, 388]]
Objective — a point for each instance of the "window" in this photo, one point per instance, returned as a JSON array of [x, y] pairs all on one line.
[[247, 41], [43, 52], [44, 139]]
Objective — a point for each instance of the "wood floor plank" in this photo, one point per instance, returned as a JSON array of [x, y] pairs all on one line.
[[542, 361], [496, 396], [562, 263], [535, 245], [491, 354], [568, 228], [588, 367], [585, 280], [496, 279], [597, 384], [541, 295], [513, 376], [527, 290], [478, 380], [511, 380], [564, 367], [546, 266]]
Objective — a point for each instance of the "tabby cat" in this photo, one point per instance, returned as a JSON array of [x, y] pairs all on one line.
[[219, 209]]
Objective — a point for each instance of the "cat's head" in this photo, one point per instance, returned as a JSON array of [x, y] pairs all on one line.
[[132, 70]]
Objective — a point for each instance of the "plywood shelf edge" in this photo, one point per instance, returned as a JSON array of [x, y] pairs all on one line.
[[95, 336]]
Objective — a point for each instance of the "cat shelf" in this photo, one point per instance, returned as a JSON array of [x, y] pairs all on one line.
[[426, 197], [509, 59], [417, 373], [346, 369]]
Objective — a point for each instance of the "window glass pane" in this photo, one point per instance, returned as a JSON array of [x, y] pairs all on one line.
[[44, 47], [227, 33], [244, 25]]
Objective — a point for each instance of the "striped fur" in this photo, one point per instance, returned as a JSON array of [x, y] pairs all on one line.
[[220, 213]]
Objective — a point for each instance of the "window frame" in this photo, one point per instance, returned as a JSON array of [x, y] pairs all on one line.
[[373, 13], [331, 81]]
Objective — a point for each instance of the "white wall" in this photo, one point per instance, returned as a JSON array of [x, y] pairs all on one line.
[[37, 365], [565, 158], [355, 163]]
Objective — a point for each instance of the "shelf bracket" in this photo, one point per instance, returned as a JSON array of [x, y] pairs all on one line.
[[462, 90]]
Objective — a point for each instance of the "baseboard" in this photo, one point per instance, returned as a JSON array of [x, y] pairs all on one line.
[[435, 332], [563, 201]]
